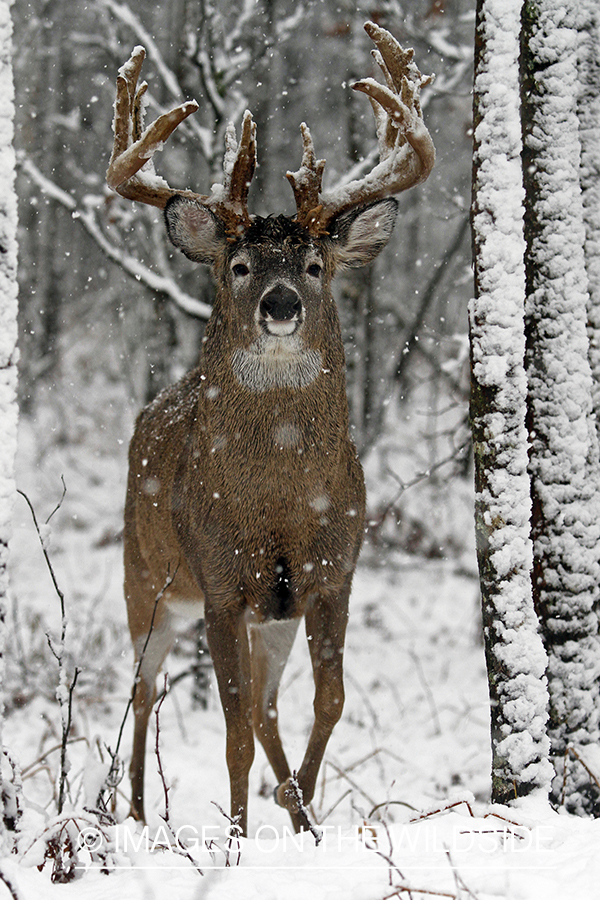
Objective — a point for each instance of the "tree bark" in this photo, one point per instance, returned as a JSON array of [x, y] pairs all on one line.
[[514, 653], [589, 133], [563, 444], [8, 329]]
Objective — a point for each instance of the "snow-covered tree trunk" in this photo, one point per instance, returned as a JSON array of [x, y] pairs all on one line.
[[564, 452], [8, 313], [589, 133], [514, 653]]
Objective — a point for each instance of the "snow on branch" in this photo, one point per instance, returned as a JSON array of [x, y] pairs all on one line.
[[86, 216]]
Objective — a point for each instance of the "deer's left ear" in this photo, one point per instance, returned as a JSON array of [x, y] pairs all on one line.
[[194, 229], [360, 235]]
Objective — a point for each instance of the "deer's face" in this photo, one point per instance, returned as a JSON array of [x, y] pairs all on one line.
[[277, 281], [274, 283]]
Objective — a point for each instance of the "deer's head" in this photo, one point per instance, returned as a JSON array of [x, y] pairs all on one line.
[[274, 280], [274, 275]]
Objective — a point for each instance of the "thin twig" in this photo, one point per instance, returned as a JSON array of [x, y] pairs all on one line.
[[181, 848], [349, 768], [409, 889], [388, 856], [426, 473], [60, 502], [387, 803], [36, 762], [114, 774], [234, 834], [459, 880], [350, 781], [428, 296], [61, 596], [168, 582], [296, 791], [428, 692], [322, 818], [574, 753], [66, 718], [444, 809], [161, 771], [66, 727], [9, 884]]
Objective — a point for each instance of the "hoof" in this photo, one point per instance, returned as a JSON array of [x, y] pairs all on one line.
[[286, 795]]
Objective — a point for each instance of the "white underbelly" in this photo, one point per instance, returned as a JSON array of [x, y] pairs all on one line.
[[186, 609]]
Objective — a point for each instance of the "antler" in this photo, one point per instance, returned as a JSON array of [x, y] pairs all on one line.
[[406, 151], [131, 171]]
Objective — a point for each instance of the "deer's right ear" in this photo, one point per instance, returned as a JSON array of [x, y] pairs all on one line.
[[361, 234], [193, 229]]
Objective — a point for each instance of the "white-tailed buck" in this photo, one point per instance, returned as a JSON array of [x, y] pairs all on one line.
[[245, 500]]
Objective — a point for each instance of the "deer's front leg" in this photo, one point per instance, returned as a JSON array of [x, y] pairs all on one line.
[[228, 643], [326, 620]]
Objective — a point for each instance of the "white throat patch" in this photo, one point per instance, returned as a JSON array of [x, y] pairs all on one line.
[[276, 363]]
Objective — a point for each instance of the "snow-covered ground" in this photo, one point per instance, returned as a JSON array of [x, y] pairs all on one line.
[[403, 796]]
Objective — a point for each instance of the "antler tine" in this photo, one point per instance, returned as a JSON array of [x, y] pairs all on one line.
[[127, 80], [306, 183], [406, 151], [238, 170], [137, 114], [132, 147], [392, 58], [131, 173]]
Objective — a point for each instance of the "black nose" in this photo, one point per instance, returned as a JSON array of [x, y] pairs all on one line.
[[281, 303]]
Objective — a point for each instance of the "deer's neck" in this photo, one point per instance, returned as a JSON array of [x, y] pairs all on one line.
[[270, 364], [274, 389]]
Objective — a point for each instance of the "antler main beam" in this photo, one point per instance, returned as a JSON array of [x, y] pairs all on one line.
[[133, 147], [406, 150], [131, 173]]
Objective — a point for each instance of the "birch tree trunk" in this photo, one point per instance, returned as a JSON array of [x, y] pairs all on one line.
[[589, 132], [564, 451], [515, 657], [8, 319]]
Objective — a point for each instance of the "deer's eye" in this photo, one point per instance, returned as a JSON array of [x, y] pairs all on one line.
[[240, 270], [314, 270]]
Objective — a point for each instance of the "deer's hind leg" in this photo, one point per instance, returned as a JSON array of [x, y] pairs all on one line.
[[271, 643], [326, 620]]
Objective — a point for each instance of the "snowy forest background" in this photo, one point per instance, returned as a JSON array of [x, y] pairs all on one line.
[[109, 316]]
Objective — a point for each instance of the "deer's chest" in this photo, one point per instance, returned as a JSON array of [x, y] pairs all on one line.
[[277, 497], [279, 473]]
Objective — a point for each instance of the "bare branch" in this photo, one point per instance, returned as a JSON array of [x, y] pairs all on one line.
[[133, 267], [64, 771]]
